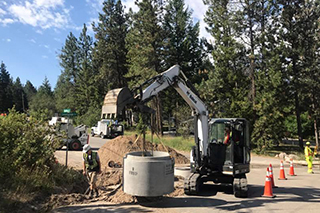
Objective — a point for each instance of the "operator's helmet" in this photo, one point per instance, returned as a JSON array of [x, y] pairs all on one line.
[[86, 148], [308, 143]]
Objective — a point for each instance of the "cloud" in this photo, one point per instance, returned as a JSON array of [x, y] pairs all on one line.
[[41, 13], [2, 12], [33, 41], [8, 40], [46, 46], [39, 32], [96, 6], [6, 21], [49, 3], [44, 56], [199, 11]]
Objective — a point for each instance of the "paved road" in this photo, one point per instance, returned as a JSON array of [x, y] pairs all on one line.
[[74, 157], [297, 194]]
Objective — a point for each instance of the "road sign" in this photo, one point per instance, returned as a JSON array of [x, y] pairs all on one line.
[[68, 114], [67, 110]]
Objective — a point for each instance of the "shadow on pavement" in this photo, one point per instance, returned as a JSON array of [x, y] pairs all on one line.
[[185, 202], [283, 195], [255, 199]]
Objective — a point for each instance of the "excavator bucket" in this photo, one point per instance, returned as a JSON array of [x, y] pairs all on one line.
[[114, 103]]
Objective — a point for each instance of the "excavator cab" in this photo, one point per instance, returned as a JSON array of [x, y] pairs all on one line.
[[229, 153]]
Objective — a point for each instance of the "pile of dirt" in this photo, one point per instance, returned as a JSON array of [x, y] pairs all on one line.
[[109, 192], [114, 150], [109, 182], [119, 197], [110, 177]]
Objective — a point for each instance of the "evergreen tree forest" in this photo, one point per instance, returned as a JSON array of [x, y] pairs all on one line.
[[261, 62]]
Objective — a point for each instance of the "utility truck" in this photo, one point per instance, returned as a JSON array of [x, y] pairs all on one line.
[[76, 137], [107, 128], [222, 145]]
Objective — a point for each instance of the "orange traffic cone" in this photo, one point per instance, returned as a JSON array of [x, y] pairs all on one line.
[[271, 176], [268, 186], [282, 175], [291, 172]]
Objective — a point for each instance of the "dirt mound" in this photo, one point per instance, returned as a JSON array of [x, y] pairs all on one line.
[[109, 192], [116, 149], [109, 182], [109, 178], [119, 197]]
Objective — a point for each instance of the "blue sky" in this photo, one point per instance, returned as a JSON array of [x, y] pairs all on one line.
[[33, 32]]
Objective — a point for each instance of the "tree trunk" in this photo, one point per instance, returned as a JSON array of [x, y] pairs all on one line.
[[316, 132], [297, 107], [159, 116], [252, 63], [315, 126], [156, 121]]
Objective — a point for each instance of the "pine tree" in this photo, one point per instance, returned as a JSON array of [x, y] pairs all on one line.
[[85, 87], [310, 88], [144, 44], [226, 90], [65, 93], [258, 23], [270, 104], [182, 44], [69, 57], [30, 92], [44, 101], [19, 96], [5, 89], [110, 50], [77, 85], [298, 24]]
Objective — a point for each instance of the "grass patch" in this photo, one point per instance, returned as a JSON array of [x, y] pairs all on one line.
[[176, 142]]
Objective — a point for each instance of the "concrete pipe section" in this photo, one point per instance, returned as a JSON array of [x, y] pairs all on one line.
[[148, 176], [183, 172]]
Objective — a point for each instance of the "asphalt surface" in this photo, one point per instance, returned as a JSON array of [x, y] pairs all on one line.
[[299, 193], [75, 157]]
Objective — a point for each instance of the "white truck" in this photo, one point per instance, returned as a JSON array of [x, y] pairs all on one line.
[[107, 128], [77, 136]]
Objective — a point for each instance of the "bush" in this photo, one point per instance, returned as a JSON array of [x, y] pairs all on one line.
[[26, 149], [27, 163]]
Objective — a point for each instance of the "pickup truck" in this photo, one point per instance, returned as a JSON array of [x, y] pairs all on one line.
[[107, 128]]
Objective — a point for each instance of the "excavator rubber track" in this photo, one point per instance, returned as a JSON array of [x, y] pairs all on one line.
[[240, 187], [192, 184]]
